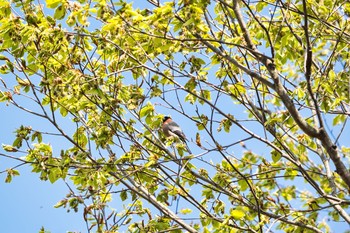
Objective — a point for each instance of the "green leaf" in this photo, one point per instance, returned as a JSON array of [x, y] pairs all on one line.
[[236, 89], [227, 125], [54, 175], [61, 203], [290, 174], [260, 6], [288, 193], [9, 148], [191, 84], [325, 105], [206, 95], [284, 40], [63, 111], [10, 66], [71, 20], [10, 174], [147, 110], [15, 172], [4, 69], [339, 119], [186, 211], [43, 230], [18, 142], [243, 185], [123, 195], [51, 20], [82, 19], [200, 126], [188, 22], [8, 178], [178, 26], [5, 9], [60, 12], [80, 137], [22, 82], [53, 3], [3, 58], [207, 193], [237, 214], [276, 156], [205, 230], [190, 98]]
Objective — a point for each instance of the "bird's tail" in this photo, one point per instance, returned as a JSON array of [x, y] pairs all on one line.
[[187, 148]]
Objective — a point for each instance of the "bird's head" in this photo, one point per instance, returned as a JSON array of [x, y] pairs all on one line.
[[165, 118]]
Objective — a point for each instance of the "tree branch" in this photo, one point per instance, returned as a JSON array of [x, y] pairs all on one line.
[[308, 65]]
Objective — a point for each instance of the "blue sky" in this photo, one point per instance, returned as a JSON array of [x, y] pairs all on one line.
[[27, 202], [27, 205]]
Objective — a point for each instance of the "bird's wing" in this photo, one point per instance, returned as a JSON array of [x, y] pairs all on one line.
[[180, 134], [175, 129]]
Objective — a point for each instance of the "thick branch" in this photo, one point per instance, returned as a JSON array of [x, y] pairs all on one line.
[[308, 65], [333, 154], [282, 92]]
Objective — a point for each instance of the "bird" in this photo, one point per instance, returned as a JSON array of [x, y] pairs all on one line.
[[171, 128]]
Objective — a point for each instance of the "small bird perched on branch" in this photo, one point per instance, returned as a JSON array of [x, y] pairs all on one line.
[[170, 128]]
